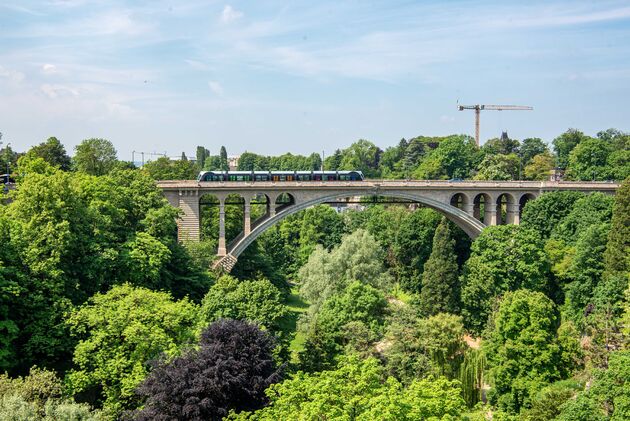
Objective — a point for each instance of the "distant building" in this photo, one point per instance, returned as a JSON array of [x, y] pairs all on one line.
[[233, 162], [556, 174]]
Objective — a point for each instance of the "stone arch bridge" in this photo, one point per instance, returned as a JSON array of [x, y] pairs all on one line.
[[472, 205]]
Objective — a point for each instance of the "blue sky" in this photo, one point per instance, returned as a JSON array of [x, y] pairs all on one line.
[[302, 76]]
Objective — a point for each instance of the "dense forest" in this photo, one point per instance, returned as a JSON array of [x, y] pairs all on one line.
[[389, 312]]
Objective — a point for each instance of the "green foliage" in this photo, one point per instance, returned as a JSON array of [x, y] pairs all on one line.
[[455, 157], [589, 160], [51, 151], [357, 258], [39, 396], [565, 143], [419, 347], [503, 258], [592, 209], [545, 213], [223, 159], [531, 147], [411, 247], [585, 273], [352, 318], [498, 167], [539, 167], [164, 168], [288, 162], [258, 301], [358, 390], [617, 255], [119, 332], [608, 396], [95, 156], [523, 350], [440, 284], [362, 155], [546, 404]]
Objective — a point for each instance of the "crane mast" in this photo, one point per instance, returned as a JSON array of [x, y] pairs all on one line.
[[479, 107]]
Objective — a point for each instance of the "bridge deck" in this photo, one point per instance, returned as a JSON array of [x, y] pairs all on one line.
[[389, 184]]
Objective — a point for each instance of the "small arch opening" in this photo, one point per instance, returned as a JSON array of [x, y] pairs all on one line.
[[504, 204], [482, 208], [283, 201], [459, 200]]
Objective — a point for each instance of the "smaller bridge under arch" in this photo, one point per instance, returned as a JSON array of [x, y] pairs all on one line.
[[472, 205]]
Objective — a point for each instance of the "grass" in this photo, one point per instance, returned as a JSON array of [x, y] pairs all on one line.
[[296, 306]]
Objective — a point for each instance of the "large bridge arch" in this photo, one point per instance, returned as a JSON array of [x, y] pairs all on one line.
[[466, 222]]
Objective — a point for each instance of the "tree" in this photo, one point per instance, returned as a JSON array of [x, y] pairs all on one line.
[[564, 144], [358, 307], [503, 258], [617, 255], [200, 157], [589, 160], [545, 213], [500, 146], [539, 167], [413, 154], [412, 237], [531, 147], [95, 156], [363, 156], [53, 152], [455, 157], [498, 167], [440, 283], [585, 273], [522, 348], [592, 209], [608, 396], [230, 371], [333, 162], [258, 301], [119, 332], [358, 389], [320, 225], [164, 168], [546, 404], [224, 159], [358, 258], [40, 396], [421, 347]]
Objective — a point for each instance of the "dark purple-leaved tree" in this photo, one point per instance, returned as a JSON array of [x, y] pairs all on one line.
[[230, 370]]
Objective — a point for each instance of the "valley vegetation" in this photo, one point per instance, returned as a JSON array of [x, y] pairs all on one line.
[[384, 313]]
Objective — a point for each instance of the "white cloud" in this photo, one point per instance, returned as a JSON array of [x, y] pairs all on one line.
[[56, 91], [12, 75], [560, 19], [49, 69], [230, 14], [216, 87]]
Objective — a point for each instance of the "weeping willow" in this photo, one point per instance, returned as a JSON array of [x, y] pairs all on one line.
[[471, 375]]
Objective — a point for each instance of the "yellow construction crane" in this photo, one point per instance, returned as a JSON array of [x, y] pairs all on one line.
[[478, 109]]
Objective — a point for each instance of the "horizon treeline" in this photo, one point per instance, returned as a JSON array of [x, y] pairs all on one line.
[[575, 155]]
